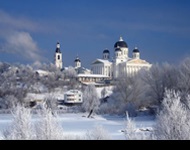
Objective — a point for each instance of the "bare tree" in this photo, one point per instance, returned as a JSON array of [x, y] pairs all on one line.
[[127, 93], [158, 78], [51, 102], [91, 100], [104, 92]]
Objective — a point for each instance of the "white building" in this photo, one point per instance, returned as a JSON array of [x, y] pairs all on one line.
[[102, 67], [73, 97], [121, 64]]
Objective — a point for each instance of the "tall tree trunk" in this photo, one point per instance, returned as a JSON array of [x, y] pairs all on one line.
[[91, 111]]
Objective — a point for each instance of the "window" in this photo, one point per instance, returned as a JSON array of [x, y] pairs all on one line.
[[58, 57]]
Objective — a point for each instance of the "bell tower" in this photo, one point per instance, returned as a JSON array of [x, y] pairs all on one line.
[[77, 63], [58, 57]]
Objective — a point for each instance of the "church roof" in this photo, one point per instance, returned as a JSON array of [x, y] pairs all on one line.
[[106, 51], [93, 75], [77, 60], [136, 50], [101, 61], [137, 61]]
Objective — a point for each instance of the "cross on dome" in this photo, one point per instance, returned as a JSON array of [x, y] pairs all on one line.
[[120, 38]]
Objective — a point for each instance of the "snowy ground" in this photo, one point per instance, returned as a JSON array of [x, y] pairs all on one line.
[[77, 124]]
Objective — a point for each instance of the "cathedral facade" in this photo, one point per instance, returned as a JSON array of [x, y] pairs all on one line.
[[121, 64]]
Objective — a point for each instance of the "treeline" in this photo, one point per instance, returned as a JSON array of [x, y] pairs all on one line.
[[130, 93], [16, 80], [147, 88]]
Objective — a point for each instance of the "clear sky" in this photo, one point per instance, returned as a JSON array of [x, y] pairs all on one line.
[[30, 29]]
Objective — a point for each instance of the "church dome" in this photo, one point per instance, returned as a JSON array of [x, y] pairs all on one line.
[[121, 43], [77, 60], [106, 51], [136, 50]]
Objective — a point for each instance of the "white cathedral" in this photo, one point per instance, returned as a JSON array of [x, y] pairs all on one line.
[[106, 68]]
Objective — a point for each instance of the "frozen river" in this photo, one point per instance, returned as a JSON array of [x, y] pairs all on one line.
[[77, 124]]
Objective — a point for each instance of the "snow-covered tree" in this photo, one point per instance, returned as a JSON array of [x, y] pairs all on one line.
[[91, 100], [158, 78], [4, 67], [104, 92], [71, 78], [126, 94], [21, 128], [130, 128], [98, 133], [131, 131], [173, 121], [70, 72], [184, 79], [50, 102], [10, 101], [48, 127]]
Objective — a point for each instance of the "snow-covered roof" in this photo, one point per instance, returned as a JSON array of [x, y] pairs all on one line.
[[92, 75], [73, 92], [137, 61], [102, 61], [93, 83], [83, 69], [36, 96], [42, 72]]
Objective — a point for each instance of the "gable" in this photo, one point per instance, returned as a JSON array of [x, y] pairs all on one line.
[[97, 62], [137, 61]]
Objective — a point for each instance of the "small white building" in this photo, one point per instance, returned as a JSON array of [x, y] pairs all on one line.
[[73, 97]]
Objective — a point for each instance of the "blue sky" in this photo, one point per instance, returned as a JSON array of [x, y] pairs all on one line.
[[30, 29]]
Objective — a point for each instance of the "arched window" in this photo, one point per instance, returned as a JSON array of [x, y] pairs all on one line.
[[58, 57]]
